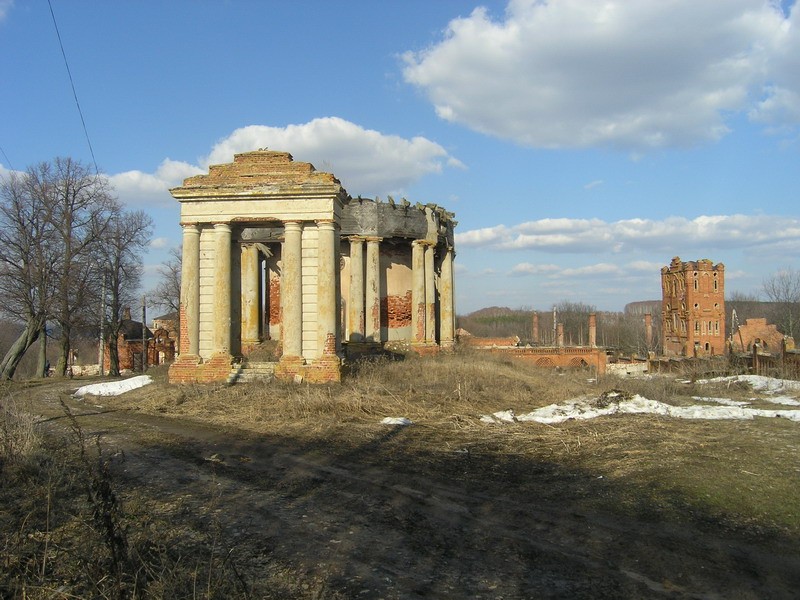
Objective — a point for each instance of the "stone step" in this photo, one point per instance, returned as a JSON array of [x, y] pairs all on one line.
[[248, 372]]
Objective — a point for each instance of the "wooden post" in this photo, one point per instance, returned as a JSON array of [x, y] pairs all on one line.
[[101, 352], [144, 334]]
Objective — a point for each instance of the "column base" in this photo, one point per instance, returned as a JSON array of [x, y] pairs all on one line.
[[425, 348], [290, 368], [190, 368], [326, 369], [184, 369]]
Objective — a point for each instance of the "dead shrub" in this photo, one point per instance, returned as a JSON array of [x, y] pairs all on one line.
[[18, 437]]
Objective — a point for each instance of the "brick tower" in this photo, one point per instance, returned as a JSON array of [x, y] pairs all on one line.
[[693, 308]]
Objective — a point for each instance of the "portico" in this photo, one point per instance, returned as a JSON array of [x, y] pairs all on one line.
[[275, 250]]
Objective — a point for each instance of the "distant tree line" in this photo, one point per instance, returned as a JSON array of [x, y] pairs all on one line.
[[617, 330], [66, 244], [625, 331]]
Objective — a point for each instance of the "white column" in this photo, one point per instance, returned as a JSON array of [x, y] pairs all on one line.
[[430, 296], [292, 290], [417, 291], [373, 290], [251, 298], [222, 288], [355, 304], [446, 301], [190, 291], [326, 288]]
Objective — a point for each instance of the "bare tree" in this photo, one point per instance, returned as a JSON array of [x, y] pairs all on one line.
[[124, 242], [575, 317], [167, 293], [28, 251], [783, 288], [82, 206]]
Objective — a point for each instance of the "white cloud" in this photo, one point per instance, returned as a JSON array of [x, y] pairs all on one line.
[[644, 266], [533, 269], [5, 8], [367, 162], [757, 233], [160, 243], [136, 187], [559, 275], [486, 236], [633, 75], [593, 184], [780, 105], [596, 270]]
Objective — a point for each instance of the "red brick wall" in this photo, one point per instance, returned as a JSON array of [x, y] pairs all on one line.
[[752, 329], [274, 299], [396, 311], [481, 342], [183, 342]]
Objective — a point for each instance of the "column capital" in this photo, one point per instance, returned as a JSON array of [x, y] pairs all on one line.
[[325, 223], [373, 239], [191, 226], [222, 225], [358, 239]]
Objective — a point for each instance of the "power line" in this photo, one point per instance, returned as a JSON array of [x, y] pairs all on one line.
[[8, 162], [72, 83]]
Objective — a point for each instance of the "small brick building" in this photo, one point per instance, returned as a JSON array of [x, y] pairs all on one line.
[[129, 345], [757, 331], [693, 308], [160, 346]]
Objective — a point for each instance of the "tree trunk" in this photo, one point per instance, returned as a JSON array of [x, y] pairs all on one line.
[[42, 366], [63, 355], [18, 349], [113, 354]]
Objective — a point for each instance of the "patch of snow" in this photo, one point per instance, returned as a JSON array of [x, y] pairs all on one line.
[[503, 416], [590, 408], [396, 421], [759, 383], [113, 388], [786, 400], [725, 401]]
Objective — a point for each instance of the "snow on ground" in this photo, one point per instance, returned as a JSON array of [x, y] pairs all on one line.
[[396, 421], [113, 388], [759, 383], [615, 402], [588, 408], [725, 401]]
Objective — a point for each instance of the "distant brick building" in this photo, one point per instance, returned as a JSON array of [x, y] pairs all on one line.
[[757, 331], [129, 344], [693, 308], [160, 346]]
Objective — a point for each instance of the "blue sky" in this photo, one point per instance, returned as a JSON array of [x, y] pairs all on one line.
[[581, 144]]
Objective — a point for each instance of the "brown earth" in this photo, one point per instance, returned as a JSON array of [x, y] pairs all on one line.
[[362, 510]]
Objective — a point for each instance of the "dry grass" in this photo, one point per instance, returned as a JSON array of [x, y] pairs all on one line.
[[19, 440], [739, 471], [740, 475]]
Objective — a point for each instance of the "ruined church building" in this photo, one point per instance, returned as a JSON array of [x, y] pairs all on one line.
[[275, 250]]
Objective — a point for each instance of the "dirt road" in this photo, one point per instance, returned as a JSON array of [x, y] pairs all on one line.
[[307, 518]]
